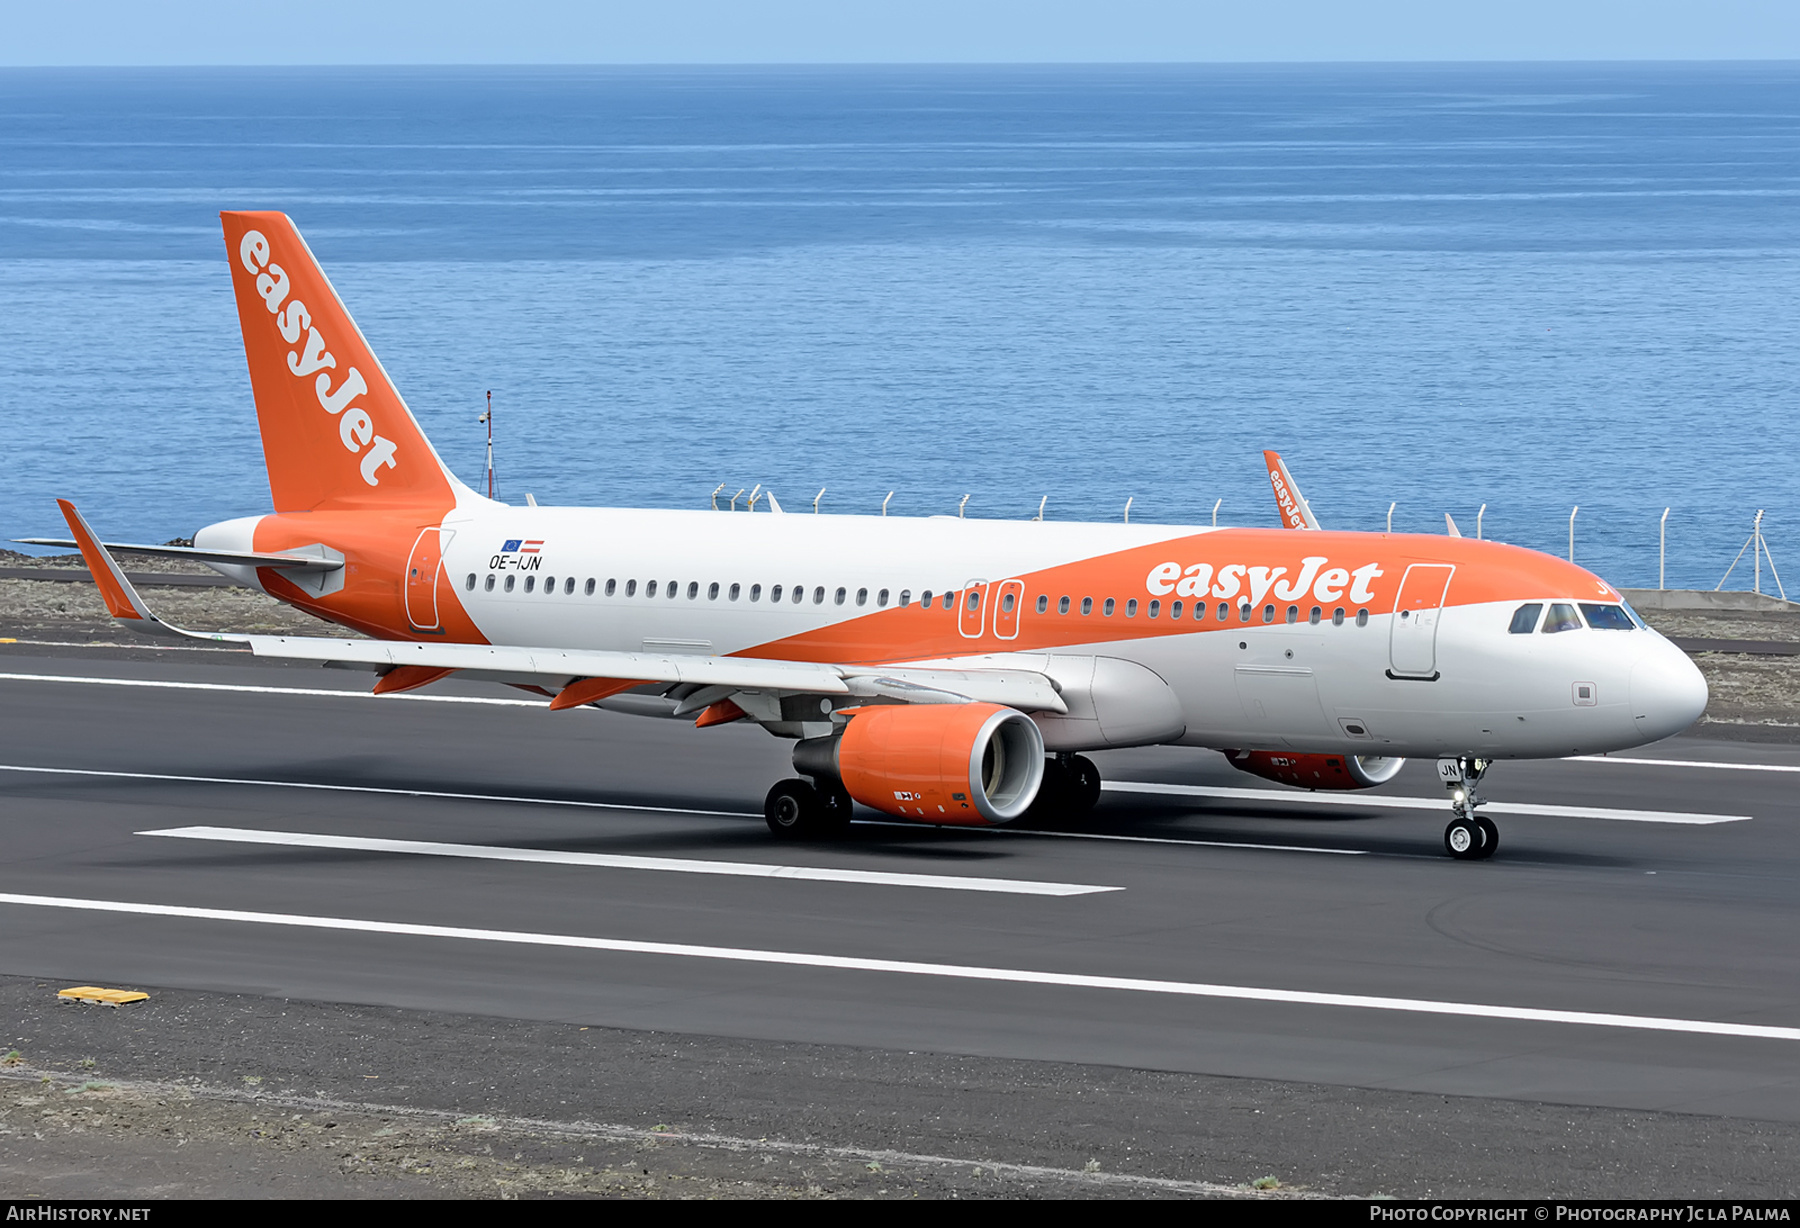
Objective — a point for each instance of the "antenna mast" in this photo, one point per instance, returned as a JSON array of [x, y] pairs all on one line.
[[488, 417]]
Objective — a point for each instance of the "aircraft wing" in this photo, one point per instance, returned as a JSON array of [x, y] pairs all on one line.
[[581, 676], [1295, 514]]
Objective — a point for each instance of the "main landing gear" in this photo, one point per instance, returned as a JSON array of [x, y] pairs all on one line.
[[1070, 789], [1470, 836], [801, 810]]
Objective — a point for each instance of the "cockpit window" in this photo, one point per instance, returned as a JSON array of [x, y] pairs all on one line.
[[1562, 617], [1525, 618], [1607, 617]]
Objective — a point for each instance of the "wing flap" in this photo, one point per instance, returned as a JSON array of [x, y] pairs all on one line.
[[735, 672]]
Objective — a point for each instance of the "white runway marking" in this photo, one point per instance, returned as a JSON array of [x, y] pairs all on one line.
[[558, 801], [438, 793], [1379, 801], [245, 689], [1683, 763], [677, 865], [964, 972]]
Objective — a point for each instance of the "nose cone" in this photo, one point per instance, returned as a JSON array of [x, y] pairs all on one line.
[[1668, 692]]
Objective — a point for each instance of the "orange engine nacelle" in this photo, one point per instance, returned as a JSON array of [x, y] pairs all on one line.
[[1318, 771], [939, 763]]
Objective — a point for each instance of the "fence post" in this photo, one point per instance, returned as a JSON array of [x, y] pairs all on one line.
[[1662, 551]]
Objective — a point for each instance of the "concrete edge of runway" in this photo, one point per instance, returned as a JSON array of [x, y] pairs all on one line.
[[756, 1114]]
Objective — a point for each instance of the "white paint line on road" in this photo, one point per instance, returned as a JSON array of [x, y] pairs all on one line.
[[1377, 801], [437, 793], [963, 972], [677, 865], [1683, 763], [246, 689], [558, 801]]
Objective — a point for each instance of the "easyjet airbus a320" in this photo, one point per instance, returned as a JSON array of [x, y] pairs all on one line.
[[946, 670]]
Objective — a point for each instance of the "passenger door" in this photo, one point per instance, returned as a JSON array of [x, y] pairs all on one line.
[[1418, 607]]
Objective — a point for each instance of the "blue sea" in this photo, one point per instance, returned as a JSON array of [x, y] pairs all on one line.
[[1531, 287]]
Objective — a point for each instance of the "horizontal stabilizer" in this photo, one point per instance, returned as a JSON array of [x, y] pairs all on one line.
[[242, 558]]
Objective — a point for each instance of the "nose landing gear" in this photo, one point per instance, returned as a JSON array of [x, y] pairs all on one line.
[[1470, 836]]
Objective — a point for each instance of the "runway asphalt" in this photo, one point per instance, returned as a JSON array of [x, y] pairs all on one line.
[[203, 822]]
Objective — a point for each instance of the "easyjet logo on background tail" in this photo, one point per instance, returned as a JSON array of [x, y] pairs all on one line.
[[310, 360], [1327, 584]]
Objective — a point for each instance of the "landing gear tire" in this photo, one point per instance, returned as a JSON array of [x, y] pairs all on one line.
[[1083, 783], [1490, 836], [1465, 840], [793, 810]]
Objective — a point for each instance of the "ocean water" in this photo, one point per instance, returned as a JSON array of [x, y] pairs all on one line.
[[1529, 287]]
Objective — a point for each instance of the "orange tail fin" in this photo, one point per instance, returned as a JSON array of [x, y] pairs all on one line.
[[336, 433]]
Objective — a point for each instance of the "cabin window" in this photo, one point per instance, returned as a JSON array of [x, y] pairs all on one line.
[[1244, 612], [612, 586], [1006, 603], [756, 593], [1268, 613], [1043, 603], [530, 582], [1314, 617], [487, 585], [1223, 611], [1107, 609], [694, 589], [674, 589], [733, 594], [774, 594], [549, 584], [1293, 614], [800, 593], [1155, 608], [587, 590], [509, 583], [949, 601], [1525, 618], [1087, 605], [925, 600], [1362, 618], [862, 596], [905, 597], [837, 598], [1337, 617], [974, 602], [1562, 617], [1175, 611], [631, 588], [569, 586], [819, 595], [470, 582], [712, 591], [1062, 607], [650, 589], [881, 599]]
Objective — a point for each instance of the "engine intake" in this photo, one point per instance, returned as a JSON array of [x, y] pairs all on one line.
[[1318, 771], [940, 763]]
